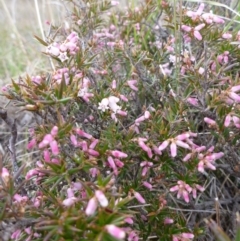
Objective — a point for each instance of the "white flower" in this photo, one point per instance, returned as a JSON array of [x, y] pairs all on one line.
[[53, 50], [103, 105], [63, 56], [113, 103]]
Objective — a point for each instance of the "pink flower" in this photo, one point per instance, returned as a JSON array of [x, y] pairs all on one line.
[[74, 141], [5, 175], [93, 172], [83, 133], [226, 36], [183, 190], [193, 101], [31, 173], [177, 141], [132, 83], [92, 152], [183, 237], [195, 188], [119, 163], [132, 236], [54, 131], [114, 84], [69, 201], [207, 160], [210, 18], [235, 119], [93, 144], [112, 165], [168, 221], [54, 147], [146, 166], [195, 15], [147, 185], [31, 144], [91, 207], [101, 198], [223, 58], [194, 30], [210, 121], [121, 112], [118, 154], [145, 148], [46, 155], [123, 98], [16, 234], [234, 96], [139, 197], [20, 199], [115, 231], [128, 220]]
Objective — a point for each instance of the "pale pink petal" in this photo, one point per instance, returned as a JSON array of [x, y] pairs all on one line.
[[186, 28], [235, 88], [174, 189], [182, 144], [227, 120], [115, 231], [163, 145], [54, 147], [173, 149], [139, 197], [187, 235], [54, 131], [118, 154], [91, 207], [101, 198], [197, 35], [234, 96]]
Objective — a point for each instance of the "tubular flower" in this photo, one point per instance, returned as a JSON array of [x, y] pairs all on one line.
[[177, 141]]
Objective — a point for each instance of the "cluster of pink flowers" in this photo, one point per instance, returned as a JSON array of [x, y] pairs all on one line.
[[37, 79], [232, 118], [208, 18], [208, 159], [132, 84], [182, 140], [92, 205], [108, 37], [63, 50], [61, 74], [223, 58], [84, 91], [194, 31], [114, 160], [71, 199], [203, 18], [137, 122], [29, 231], [184, 190], [88, 147]]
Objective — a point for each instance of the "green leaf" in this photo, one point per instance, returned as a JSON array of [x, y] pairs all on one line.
[[41, 41], [15, 85]]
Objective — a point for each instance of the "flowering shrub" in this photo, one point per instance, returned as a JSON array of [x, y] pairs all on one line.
[[132, 125]]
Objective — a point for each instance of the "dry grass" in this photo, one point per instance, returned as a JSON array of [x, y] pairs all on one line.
[[18, 24], [19, 51]]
